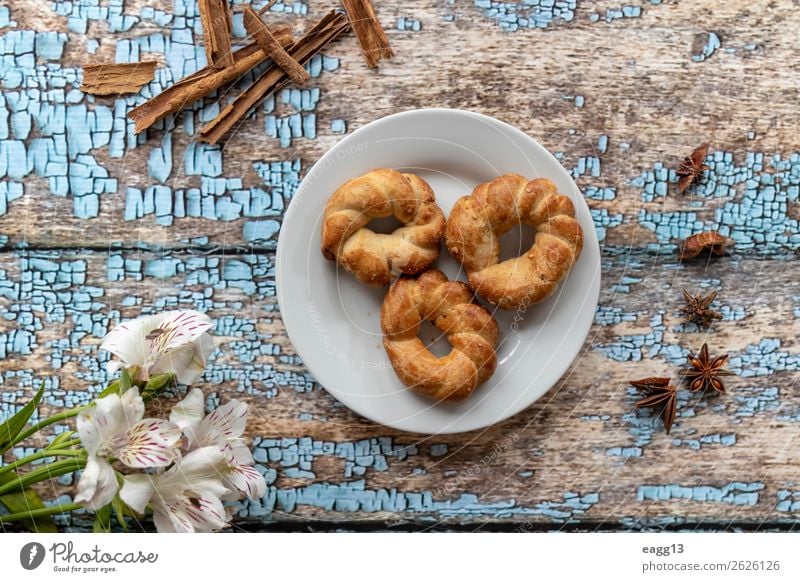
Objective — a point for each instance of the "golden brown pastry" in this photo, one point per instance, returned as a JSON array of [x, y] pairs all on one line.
[[478, 220], [372, 257], [471, 330]]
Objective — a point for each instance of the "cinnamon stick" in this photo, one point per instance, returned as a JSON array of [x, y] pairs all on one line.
[[215, 16], [331, 26], [370, 34], [256, 28], [198, 85], [266, 7], [117, 79]]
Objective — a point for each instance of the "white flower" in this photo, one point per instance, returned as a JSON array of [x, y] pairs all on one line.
[[187, 497], [222, 428], [176, 342], [115, 428]]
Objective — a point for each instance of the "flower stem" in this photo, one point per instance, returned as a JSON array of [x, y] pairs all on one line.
[[48, 471], [56, 509], [66, 445], [40, 455], [67, 414]]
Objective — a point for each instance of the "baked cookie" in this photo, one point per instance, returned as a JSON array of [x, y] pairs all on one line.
[[471, 330], [372, 257], [477, 221]]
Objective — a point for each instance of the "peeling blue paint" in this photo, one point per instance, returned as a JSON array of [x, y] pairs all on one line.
[[758, 221], [608, 315], [752, 400], [5, 18], [338, 126], [72, 129], [409, 24], [788, 500], [354, 496], [512, 16], [732, 493], [711, 45], [627, 11], [438, 450], [626, 452], [50, 130], [726, 440], [603, 220]]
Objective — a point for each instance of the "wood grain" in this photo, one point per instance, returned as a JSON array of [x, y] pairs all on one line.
[[626, 92]]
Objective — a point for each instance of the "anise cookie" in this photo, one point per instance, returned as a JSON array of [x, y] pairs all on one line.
[[470, 329], [373, 257], [477, 221]]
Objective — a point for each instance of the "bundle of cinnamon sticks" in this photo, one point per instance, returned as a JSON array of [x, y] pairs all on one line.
[[273, 43]]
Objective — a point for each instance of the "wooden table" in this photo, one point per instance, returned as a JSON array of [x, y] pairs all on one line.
[[98, 225]]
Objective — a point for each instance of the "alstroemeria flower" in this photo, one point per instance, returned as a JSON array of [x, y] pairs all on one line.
[[175, 342], [115, 428], [187, 497], [222, 428]]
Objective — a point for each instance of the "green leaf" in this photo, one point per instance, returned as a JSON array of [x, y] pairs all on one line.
[[112, 388], [159, 381], [156, 383], [25, 501], [125, 382], [120, 509], [14, 425], [45, 472], [60, 440], [102, 520]]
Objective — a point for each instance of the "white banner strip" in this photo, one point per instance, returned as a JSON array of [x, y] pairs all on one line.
[[396, 556]]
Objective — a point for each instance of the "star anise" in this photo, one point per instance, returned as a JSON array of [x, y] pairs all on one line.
[[705, 372], [658, 391], [698, 308], [691, 168]]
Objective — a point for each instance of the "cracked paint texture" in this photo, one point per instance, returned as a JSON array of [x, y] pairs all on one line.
[[56, 140]]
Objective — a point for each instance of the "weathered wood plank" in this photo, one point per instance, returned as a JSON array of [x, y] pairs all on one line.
[[731, 456], [613, 96], [650, 100]]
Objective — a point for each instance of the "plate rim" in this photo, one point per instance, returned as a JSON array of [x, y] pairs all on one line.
[[318, 167]]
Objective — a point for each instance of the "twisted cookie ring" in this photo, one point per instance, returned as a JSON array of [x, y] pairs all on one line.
[[373, 257], [471, 330], [478, 220]]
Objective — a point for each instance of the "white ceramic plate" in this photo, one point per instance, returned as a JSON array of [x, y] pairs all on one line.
[[333, 320]]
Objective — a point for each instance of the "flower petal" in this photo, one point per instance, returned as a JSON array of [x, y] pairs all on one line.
[[247, 481], [164, 522], [205, 468], [201, 513], [128, 340], [143, 341], [132, 406], [229, 419], [148, 443], [205, 512], [187, 362], [199, 465], [187, 497], [98, 426], [189, 411], [137, 490], [179, 328], [114, 366], [242, 454], [97, 485]]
